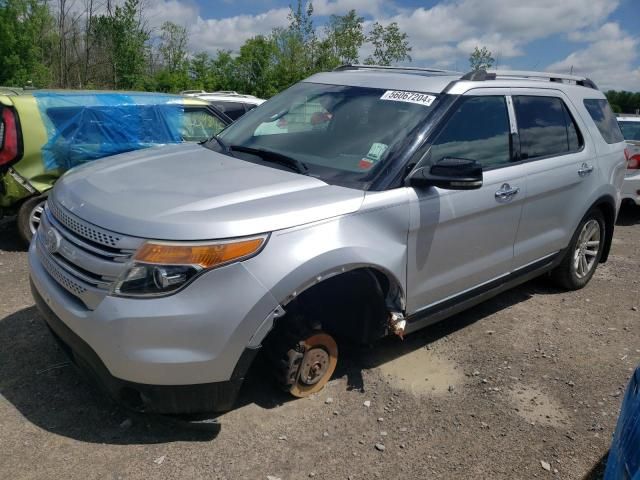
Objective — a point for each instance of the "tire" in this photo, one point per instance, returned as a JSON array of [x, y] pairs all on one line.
[[302, 359], [583, 254], [29, 216]]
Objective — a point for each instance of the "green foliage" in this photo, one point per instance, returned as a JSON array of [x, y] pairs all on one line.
[[93, 44], [624, 102], [389, 43], [481, 59], [26, 40], [344, 37], [124, 40]]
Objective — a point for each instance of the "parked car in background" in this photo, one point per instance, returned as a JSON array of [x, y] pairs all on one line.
[[359, 203], [630, 126], [233, 104], [45, 133], [623, 462]]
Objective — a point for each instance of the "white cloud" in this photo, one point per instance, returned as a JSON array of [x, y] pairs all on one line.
[[230, 33], [503, 26], [340, 7], [610, 59], [180, 12]]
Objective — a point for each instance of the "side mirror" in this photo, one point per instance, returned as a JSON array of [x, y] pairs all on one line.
[[449, 173]]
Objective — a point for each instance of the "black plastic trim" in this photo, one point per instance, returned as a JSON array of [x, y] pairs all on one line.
[[481, 293]]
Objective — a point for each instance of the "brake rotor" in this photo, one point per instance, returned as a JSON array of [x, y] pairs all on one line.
[[317, 365]]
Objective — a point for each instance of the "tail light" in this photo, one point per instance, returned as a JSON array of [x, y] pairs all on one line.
[[633, 163], [9, 147]]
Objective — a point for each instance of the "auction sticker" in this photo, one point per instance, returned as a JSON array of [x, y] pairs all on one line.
[[409, 97]]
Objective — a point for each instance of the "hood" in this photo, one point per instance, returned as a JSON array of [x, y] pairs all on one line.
[[188, 192]]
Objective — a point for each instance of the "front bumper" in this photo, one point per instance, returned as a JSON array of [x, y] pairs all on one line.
[[631, 187], [166, 399], [183, 353]]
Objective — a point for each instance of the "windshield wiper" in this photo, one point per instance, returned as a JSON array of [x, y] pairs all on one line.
[[223, 145], [275, 157]]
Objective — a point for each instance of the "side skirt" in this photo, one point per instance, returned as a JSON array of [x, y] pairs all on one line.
[[463, 301]]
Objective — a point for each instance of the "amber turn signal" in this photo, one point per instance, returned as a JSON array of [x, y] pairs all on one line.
[[203, 255]]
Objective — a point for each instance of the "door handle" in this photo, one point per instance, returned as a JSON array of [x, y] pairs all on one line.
[[506, 192], [585, 170]]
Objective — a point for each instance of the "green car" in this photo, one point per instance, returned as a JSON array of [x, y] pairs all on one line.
[[45, 133]]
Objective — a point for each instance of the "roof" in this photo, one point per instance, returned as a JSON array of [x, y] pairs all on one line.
[[628, 118], [434, 80], [86, 97], [228, 97], [387, 79]]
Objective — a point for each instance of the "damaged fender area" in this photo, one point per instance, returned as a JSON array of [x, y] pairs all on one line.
[[348, 271]]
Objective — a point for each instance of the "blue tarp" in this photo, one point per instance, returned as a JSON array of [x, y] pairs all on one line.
[[623, 462], [84, 126]]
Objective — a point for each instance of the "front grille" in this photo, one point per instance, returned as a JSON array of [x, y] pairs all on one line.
[[83, 229], [58, 274], [84, 259]]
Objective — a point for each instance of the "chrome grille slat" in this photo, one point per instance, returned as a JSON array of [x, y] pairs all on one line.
[[80, 243], [61, 263], [94, 234], [85, 260], [49, 265]]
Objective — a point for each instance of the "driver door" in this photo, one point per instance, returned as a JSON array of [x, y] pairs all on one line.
[[460, 240]]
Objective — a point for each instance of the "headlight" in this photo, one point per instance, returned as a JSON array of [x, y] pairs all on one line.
[[160, 268]]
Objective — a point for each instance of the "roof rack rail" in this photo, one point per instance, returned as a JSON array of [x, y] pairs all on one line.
[[482, 75], [385, 67]]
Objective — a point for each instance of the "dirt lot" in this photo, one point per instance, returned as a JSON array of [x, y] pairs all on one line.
[[533, 375]]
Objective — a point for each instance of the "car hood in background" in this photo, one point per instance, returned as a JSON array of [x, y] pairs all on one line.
[[188, 192]]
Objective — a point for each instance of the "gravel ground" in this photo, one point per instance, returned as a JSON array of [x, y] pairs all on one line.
[[528, 380]]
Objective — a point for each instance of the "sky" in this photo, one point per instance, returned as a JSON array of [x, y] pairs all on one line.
[[596, 38]]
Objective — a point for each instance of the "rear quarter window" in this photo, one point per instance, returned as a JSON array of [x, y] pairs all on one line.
[[546, 127], [604, 119]]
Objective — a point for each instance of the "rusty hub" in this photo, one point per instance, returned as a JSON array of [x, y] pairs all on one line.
[[317, 365]]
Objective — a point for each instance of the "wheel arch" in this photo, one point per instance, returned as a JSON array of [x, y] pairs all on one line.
[[607, 205], [342, 286]]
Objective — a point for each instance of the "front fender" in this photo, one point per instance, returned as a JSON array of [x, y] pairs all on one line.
[[295, 259]]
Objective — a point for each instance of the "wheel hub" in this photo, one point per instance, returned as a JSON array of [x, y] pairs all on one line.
[[315, 365], [587, 248]]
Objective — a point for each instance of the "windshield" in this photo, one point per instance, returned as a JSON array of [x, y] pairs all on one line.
[[340, 134], [630, 130]]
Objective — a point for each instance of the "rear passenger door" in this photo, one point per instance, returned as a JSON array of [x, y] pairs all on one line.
[[460, 240], [558, 156]]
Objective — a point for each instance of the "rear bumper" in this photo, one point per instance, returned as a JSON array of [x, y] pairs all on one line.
[[168, 399], [631, 188]]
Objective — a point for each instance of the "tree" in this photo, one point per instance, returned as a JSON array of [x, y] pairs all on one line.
[[201, 71], [345, 37], [390, 45], [173, 47], [26, 42], [255, 67], [123, 38], [481, 59]]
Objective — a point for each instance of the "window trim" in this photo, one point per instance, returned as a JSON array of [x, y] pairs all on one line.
[[444, 120], [571, 115], [584, 104]]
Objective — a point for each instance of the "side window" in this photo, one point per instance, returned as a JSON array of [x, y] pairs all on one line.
[[478, 130], [199, 124], [234, 110], [605, 119], [545, 127]]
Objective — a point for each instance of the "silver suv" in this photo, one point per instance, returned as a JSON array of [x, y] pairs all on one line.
[[358, 203]]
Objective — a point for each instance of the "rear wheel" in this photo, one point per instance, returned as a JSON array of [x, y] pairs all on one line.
[[29, 216], [583, 255]]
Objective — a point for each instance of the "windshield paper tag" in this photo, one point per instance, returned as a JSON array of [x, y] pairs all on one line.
[[375, 153], [409, 97]]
